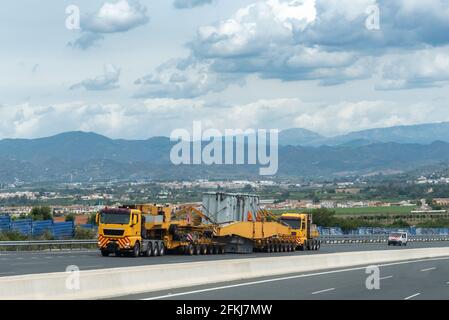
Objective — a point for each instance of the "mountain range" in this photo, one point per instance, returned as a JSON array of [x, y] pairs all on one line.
[[82, 156], [421, 134]]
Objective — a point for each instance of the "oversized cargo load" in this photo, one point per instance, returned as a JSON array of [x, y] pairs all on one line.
[[223, 207], [231, 223]]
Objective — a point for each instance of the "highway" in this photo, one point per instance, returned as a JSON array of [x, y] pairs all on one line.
[[20, 263], [409, 280]]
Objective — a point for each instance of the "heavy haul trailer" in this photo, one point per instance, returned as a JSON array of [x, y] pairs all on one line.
[[151, 230], [290, 232]]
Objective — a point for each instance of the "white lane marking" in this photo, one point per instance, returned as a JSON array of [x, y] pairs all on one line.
[[288, 278], [412, 296], [322, 291], [428, 269], [384, 278]]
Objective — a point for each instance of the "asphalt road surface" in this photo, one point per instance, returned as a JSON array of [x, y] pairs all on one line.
[[408, 280], [20, 263]]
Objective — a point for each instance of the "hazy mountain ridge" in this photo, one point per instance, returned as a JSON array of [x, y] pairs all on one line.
[[421, 134], [79, 156]]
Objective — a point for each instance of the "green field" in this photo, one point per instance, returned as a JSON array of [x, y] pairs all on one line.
[[360, 211], [374, 210]]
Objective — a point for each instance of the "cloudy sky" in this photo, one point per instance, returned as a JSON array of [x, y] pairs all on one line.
[[140, 68]]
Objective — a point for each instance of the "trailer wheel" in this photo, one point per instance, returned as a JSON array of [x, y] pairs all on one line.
[[105, 253], [210, 249], [136, 250], [319, 245], [161, 249], [203, 250], [196, 249], [222, 250], [190, 250]]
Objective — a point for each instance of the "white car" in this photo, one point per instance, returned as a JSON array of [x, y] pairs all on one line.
[[398, 238]]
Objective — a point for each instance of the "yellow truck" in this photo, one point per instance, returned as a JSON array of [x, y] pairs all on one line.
[[152, 230]]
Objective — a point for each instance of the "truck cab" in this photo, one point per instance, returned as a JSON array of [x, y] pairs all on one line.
[[123, 230], [303, 229]]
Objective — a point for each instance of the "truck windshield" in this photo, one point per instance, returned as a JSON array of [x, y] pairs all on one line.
[[293, 223], [114, 218]]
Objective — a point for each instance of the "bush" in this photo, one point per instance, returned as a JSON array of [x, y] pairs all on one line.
[[47, 235], [438, 223], [12, 236], [324, 217], [92, 217], [41, 213], [400, 224], [84, 234]]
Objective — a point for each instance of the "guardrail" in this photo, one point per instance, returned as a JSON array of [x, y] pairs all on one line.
[[47, 244], [382, 238], [80, 244]]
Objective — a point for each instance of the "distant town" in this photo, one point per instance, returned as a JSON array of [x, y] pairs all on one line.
[[423, 198]]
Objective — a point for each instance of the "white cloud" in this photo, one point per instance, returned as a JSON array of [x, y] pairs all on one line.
[[86, 40], [187, 4], [421, 69], [112, 17], [165, 115], [107, 81], [324, 40], [181, 79]]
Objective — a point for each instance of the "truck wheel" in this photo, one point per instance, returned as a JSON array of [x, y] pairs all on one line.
[[319, 245], [118, 254], [222, 250], [162, 249], [203, 249], [149, 251], [136, 250], [105, 253], [156, 249]]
